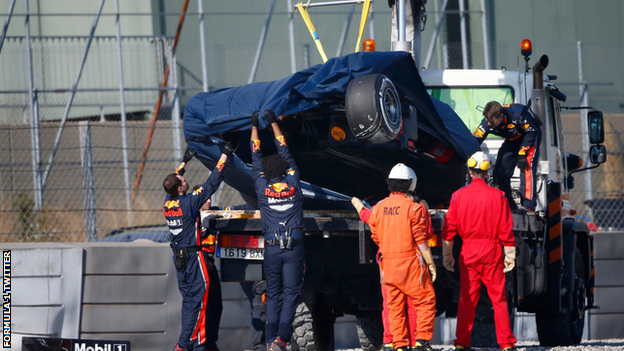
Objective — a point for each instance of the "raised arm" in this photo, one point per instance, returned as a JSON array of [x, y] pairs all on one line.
[[280, 141], [256, 154]]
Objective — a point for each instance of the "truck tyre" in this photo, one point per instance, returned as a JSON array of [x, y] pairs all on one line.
[[565, 328], [484, 328], [370, 332], [373, 109], [313, 328]]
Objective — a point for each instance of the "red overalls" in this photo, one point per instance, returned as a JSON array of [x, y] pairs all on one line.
[[480, 214], [398, 225]]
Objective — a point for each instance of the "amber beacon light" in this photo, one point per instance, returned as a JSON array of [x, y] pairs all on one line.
[[368, 45], [526, 48]]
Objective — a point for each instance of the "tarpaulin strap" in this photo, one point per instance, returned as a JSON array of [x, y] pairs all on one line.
[[315, 36], [363, 19]]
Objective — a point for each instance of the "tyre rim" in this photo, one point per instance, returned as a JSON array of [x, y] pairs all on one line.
[[390, 102]]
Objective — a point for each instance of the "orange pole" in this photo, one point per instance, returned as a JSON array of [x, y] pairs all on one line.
[[158, 104]]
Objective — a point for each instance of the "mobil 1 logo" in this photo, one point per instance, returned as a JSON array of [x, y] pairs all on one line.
[[58, 344], [100, 345]]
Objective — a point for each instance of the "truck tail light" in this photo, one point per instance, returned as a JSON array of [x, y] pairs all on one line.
[[434, 241], [241, 241]]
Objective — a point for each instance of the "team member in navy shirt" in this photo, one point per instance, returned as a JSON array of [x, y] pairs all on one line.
[[280, 201], [521, 147], [198, 280]]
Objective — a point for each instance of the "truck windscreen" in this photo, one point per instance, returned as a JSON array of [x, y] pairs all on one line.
[[468, 103]]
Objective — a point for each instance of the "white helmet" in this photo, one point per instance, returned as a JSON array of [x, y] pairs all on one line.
[[479, 161], [401, 171]]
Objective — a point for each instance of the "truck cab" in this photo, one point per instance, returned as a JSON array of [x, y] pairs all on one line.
[[554, 275]]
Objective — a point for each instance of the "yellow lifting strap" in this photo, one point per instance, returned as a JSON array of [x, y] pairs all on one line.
[[315, 36], [363, 19]]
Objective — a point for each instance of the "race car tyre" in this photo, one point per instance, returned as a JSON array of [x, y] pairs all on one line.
[[373, 109], [565, 328], [370, 332]]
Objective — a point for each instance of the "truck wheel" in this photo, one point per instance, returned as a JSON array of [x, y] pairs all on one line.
[[370, 332], [484, 328], [373, 109], [565, 328], [313, 328]]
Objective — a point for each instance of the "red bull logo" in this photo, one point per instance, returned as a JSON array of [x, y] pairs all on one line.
[[220, 165], [479, 133], [209, 240], [268, 192], [171, 204], [172, 213], [255, 145], [279, 186], [281, 140]]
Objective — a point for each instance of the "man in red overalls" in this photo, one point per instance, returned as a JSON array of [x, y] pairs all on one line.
[[398, 225], [481, 216]]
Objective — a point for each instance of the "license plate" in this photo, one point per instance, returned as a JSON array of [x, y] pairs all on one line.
[[241, 254]]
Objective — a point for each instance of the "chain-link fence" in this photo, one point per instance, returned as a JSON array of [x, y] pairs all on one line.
[[65, 174], [85, 196]]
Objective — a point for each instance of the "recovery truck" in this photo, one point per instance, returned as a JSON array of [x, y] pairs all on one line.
[[347, 122]]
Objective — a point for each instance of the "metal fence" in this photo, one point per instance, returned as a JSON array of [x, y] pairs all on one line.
[[85, 196], [70, 159]]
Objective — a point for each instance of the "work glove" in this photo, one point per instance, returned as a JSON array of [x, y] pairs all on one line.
[[447, 255], [188, 155], [254, 119], [510, 258], [270, 117], [430, 265], [522, 162], [357, 203], [228, 149]]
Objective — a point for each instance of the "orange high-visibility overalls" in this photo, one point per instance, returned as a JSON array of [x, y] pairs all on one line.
[[398, 225]]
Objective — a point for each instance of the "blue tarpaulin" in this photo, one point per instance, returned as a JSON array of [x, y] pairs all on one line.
[[208, 115], [229, 109]]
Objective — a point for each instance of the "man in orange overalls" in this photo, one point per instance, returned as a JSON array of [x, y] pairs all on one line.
[[398, 226], [480, 214]]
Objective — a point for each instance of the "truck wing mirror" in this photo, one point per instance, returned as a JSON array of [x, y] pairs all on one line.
[[596, 127], [598, 154]]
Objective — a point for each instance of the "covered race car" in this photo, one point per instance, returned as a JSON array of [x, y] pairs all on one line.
[[346, 122]]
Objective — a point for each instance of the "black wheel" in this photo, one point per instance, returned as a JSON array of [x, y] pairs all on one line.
[[313, 328], [484, 328], [373, 109], [565, 328], [370, 332]]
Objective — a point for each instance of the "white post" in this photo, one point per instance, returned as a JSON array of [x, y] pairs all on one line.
[[464, 39], [291, 36], [122, 106], [584, 127], [202, 45], [486, 44]]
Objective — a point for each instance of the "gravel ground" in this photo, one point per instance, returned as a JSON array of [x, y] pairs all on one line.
[[589, 345]]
